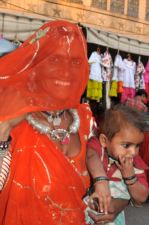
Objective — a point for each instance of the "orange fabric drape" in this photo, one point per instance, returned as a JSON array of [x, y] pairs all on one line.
[[44, 186], [49, 71]]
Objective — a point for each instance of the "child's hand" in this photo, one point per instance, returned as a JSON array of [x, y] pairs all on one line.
[[126, 166], [101, 197]]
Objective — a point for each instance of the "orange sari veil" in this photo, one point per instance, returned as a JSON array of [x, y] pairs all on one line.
[[26, 73]]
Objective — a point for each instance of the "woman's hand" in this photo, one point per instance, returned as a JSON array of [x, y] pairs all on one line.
[[6, 127], [116, 206], [103, 196]]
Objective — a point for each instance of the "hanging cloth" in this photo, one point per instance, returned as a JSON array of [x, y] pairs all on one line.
[[118, 70], [117, 76], [107, 64], [94, 86], [146, 79], [95, 66], [139, 76], [129, 80]]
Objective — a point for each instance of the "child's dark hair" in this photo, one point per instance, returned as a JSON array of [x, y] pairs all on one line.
[[119, 117]]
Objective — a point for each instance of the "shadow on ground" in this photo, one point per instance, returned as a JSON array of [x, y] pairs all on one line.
[[137, 216]]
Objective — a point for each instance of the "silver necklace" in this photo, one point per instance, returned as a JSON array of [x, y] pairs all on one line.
[[58, 134], [54, 118]]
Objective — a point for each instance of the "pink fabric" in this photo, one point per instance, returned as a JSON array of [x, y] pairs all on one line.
[[146, 74], [127, 93], [147, 90]]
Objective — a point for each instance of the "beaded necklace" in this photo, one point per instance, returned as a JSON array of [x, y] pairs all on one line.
[[58, 134], [55, 119]]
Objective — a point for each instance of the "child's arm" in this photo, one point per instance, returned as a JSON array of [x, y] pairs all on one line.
[[138, 191], [100, 180]]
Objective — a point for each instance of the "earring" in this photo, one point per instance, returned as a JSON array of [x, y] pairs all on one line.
[[102, 153]]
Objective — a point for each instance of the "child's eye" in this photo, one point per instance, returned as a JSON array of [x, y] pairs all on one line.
[[126, 145], [138, 145]]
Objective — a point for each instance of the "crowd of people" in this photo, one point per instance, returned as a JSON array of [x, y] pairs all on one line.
[[49, 151]]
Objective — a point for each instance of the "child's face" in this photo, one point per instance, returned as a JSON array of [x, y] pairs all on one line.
[[125, 143]]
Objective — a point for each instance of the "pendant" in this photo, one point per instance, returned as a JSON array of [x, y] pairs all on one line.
[[66, 140], [50, 119], [56, 121]]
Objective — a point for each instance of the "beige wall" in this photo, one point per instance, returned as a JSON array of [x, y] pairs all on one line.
[[136, 28]]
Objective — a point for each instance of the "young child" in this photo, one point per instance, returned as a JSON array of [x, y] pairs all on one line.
[[121, 134]]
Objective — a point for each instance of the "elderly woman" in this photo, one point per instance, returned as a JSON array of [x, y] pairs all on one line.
[[44, 130]]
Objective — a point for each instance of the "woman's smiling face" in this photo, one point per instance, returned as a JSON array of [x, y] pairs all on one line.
[[64, 73], [65, 68]]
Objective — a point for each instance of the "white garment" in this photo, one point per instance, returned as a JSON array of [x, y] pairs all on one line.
[[118, 71], [95, 67], [129, 73]]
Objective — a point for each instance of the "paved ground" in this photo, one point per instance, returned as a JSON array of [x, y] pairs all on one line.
[[137, 216]]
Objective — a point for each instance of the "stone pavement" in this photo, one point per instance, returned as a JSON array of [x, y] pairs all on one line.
[[137, 216]]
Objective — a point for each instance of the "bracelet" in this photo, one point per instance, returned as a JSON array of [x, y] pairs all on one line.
[[5, 144], [101, 178], [129, 178], [132, 182]]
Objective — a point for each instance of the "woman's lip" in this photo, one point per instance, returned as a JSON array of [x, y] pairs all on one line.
[[62, 83]]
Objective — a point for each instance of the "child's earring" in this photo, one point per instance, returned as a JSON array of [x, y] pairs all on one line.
[[102, 153], [102, 139]]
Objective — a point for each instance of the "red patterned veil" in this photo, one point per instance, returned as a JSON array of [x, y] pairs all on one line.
[[49, 71]]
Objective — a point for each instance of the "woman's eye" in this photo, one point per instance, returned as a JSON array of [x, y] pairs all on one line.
[[76, 61]]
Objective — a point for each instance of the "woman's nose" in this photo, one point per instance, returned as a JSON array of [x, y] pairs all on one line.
[[66, 69]]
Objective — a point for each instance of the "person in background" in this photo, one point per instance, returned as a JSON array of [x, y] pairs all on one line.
[[138, 102], [44, 130], [121, 135]]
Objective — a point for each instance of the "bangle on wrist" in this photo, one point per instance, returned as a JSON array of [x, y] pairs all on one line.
[[131, 182], [100, 178], [4, 145], [129, 178]]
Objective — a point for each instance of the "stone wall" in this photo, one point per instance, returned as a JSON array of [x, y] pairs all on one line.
[[86, 13]]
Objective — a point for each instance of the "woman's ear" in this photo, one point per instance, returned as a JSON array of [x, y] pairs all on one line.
[[103, 140]]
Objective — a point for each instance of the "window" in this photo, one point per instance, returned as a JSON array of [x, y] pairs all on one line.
[[117, 6], [133, 7], [100, 4]]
